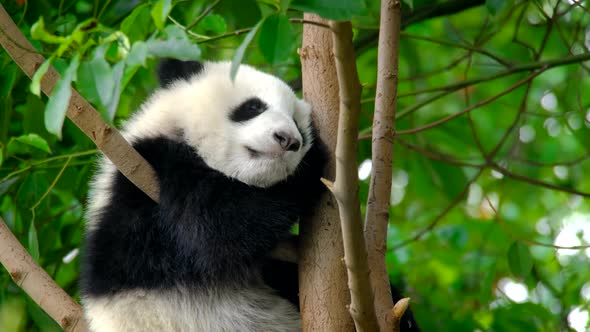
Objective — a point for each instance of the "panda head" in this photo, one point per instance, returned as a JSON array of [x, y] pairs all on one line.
[[253, 129]]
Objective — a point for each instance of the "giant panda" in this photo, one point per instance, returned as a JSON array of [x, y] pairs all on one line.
[[238, 163]]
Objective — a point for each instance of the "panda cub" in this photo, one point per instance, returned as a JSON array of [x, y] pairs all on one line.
[[238, 163]]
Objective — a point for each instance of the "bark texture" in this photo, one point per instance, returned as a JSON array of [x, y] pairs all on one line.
[[378, 202], [106, 138], [345, 188], [323, 291], [38, 284]]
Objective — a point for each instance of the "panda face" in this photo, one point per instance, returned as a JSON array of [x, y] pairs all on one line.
[[253, 129]]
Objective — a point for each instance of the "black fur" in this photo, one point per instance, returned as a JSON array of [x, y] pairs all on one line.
[[170, 70], [248, 110], [208, 230]]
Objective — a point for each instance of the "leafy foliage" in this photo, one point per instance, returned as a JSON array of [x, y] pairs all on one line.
[[478, 201]]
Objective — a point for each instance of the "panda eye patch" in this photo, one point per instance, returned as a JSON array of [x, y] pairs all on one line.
[[249, 109]]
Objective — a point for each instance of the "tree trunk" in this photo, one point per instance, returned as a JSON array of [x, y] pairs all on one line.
[[323, 286]]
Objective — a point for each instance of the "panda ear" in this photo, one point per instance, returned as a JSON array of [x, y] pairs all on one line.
[[170, 70]]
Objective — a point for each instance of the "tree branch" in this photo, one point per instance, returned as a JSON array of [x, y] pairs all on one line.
[[472, 107], [323, 292], [377, 213], [107, 139], [38, 284], [421, 13], [345, 188]]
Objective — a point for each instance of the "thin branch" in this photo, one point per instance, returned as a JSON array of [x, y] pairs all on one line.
[[203, 14], [472, 107], [546, 64], [396, 314], [504, 62], [378, 201], [438, 155], [106, 138], [345, 188], [28, 275], [536, 182]]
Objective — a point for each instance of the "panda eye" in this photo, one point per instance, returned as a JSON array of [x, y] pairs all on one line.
[[248, 110]]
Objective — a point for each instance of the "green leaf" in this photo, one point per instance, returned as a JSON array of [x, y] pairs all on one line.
[[179, 49], [138, 54], [248, 14], [7, 79], [276, 38], [284, 5], [338, 10], [520, 260], [6, 184], [102, 75], [213, 23], [176, 45], [38, 76], [55, 110], [138, 24], [160, 12], [117, 77], [34, 140], [33, 241], [39, 32], [237, 59]]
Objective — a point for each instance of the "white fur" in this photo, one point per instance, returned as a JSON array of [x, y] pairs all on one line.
[[200, 108], [181, 310]]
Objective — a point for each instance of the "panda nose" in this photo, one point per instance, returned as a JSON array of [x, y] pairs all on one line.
[[286, 141]]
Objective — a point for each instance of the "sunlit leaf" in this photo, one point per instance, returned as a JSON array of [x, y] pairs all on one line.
[[239, 55], [38, 76], [33, 242], [39, 32], [160, 12], [138, 24], [34, 140], [117, 77], [55, 111]]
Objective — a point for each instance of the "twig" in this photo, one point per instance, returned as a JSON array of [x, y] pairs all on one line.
[[378, 201], [536, 182], [37, 283], [397, 312], [498, 59], [203, 14], [546, 64], [345, 188]]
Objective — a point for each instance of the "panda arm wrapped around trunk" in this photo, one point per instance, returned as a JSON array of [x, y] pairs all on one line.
[[238, 164]]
